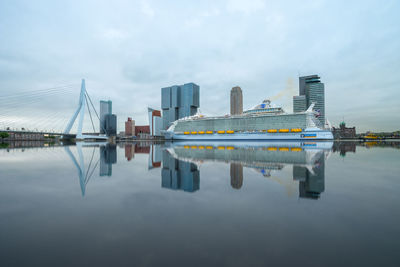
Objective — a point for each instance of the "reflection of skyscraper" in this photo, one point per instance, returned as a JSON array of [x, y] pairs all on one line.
[[307, 160], [129, 152], [311, 184], [108, 156], [155, 156], [236, 175], [179, 175]]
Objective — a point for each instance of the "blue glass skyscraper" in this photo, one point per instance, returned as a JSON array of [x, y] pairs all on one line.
[[179, 101], [311, 90]]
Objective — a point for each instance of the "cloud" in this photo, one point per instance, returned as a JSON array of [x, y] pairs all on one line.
[[245, 7], [113, 34], [146, 8]]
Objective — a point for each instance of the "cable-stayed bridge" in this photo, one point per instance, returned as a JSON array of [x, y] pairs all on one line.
[[48, 112]]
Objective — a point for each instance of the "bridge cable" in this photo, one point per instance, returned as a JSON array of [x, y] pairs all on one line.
[[88, 169], [93, 169], [90, 114], [95, 111]]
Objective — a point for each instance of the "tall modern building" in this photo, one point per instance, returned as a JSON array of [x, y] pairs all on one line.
[[155, 121], [179, 101], [299, 103], [111, 125], [105, 109], [313, 91], [236, 101], [129, 127]]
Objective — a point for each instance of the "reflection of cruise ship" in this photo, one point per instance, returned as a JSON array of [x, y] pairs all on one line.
[[306, 158], [263, 122]]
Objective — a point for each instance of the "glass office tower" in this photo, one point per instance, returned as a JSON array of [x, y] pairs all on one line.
[[179, 101], [311, 90]]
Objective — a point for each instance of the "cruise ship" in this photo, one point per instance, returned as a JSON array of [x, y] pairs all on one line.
[[263, 122]]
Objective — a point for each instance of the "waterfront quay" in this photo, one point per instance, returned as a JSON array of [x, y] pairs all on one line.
[[28, 136]]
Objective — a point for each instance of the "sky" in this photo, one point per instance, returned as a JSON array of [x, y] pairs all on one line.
[[128, 50]]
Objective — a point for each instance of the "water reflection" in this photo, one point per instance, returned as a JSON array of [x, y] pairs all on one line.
[[236, 175], [179, 163], [239, 214], [178, 174], [306, 159], [108, 156]]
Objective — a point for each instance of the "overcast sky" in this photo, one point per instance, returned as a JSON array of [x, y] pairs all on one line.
[[128, 50]]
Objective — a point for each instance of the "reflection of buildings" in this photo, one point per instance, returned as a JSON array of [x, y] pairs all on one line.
[[236, 175], [307, 160], [155, 156], [311, 184], [129, 151], [179, 175], [153, 149], [344, 147], [108, 156]]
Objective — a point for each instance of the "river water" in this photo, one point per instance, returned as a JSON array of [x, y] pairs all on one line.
[[201, 204]]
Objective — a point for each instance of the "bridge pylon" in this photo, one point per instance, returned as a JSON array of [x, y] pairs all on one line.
[[81, 112]]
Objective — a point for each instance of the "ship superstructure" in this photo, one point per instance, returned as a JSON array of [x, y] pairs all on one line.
[[263, 122]]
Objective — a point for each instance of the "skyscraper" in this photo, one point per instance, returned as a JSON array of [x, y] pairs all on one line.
[[105, 109], [179, 101], [313, 91], [111, 125], [155, 122], [299, 103], [236, 101], [129, 127]]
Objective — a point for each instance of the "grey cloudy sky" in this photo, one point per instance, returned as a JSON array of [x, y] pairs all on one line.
[[128, 50]]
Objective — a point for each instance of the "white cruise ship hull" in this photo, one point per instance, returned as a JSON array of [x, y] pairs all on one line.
[[305, 135]]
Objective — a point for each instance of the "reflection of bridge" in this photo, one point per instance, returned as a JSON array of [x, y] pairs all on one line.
[[108, 156]]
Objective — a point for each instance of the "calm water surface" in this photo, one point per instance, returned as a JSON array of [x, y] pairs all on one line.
[[201, 204]]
